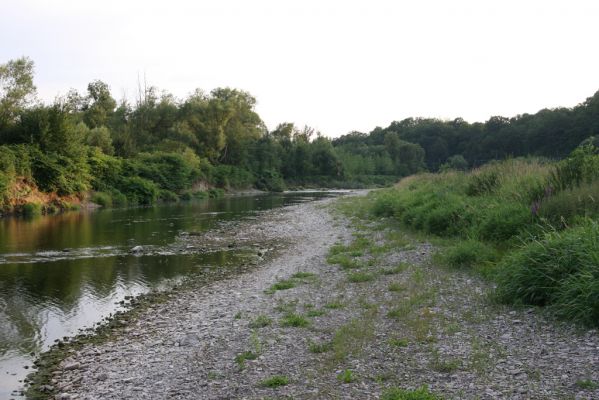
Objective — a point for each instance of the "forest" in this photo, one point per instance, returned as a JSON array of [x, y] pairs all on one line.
[[162, 148]]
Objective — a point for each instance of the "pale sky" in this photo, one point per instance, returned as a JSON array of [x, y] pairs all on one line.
[[335, 65]]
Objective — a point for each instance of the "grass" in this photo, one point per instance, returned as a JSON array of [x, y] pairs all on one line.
[[531, 226], [346, 376], [281, 285], [318, 348], [403, 342], [285, 284], [359, 277], [587, 384], [275, 381], [352, 337], [315, 313], [402, 394], [294, 320], [395, 287], [260, 321], [395, 270], [444, 365], [302, 275], [240, 359], [334, 305]]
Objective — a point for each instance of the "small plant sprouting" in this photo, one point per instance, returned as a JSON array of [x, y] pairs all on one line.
[[587, 384], [295, 321], [318, 348], [403, 342], [346, 376], [246, 355], [260, 321], [281, 285], [275, 381]]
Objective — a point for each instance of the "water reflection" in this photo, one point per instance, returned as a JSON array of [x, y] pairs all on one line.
[[62, 273]]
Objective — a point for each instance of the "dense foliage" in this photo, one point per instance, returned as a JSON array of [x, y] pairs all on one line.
[[530, 225], [165, 148]]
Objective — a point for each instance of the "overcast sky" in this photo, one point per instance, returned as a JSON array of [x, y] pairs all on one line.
[[335, 65]]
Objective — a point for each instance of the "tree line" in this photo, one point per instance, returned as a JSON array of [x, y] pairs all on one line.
[[161, 147]]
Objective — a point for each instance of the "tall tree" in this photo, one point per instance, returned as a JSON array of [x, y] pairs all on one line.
[[16, 89]]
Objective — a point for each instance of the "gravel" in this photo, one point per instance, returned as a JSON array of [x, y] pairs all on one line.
[[439, 329]]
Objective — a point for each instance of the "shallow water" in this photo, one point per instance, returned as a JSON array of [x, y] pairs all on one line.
[[60, 274]]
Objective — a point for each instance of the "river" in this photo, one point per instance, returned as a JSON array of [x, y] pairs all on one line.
[[63, 273]]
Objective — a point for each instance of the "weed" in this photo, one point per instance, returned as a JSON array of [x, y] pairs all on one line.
[[334, 305], [358, 277], [295, 321], [260, 321], [275, 381], [240, 359], [318, 348], [281, 285], [403, 342], [401, 267], [303, 275], [346, 376], [400, 394], [315, 313], [587, 384], [395, 287], [352, 337], [446, 366], [286, 306]]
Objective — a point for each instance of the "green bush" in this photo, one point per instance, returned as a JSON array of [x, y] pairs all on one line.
[[139, 191], [118, 198], [169, 171], [560, 270], [216, 193], [385, 203], [467, 254], [31, 210], [483, 183], [504, 221], [563, 208], [270, 181], [168, 196], [102, 199]]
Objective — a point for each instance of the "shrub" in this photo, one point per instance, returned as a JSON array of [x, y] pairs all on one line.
[[467, 254], [139, 190], [168, 196], [216, 193], [384, 204], [560, 270], [270, 181], [118, 198], [31, 210], [275, 381], [483, 183], [565, 206], [504, 221], [102, 199]]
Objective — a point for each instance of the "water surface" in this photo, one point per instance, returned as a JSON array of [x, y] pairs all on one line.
[[59, 274]]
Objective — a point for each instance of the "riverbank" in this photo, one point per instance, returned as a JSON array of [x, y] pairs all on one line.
[[338, 308]]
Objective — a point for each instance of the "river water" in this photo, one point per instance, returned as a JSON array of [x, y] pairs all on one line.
[[60, 274]]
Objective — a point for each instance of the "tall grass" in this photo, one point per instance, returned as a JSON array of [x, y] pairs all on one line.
[[543, 215]]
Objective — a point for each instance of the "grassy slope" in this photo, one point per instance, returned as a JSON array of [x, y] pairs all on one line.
[[530, 226]]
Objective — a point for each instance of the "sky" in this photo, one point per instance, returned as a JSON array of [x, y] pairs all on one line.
[[335, 65]]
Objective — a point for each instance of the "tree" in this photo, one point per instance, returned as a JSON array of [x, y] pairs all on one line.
[[16, 89], [100, 104]]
